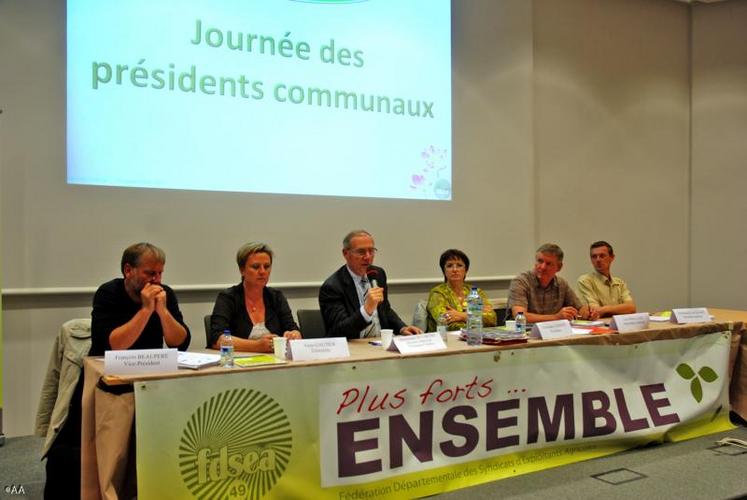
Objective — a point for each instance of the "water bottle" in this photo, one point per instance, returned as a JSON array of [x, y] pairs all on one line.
[[442, 327], [521, 324], [474, 318], [226, 349]]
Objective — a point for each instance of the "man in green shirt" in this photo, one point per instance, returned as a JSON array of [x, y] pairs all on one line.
[[608, 294]]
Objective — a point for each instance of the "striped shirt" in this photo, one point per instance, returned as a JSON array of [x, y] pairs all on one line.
[[526, 291]]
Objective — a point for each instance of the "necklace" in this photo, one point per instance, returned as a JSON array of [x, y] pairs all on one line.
[[252, 305], [459, 295]]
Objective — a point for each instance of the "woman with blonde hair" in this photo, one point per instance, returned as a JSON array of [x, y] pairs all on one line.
[[252, 311]]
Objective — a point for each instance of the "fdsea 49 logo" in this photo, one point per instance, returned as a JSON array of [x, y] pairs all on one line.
[[235, 445]]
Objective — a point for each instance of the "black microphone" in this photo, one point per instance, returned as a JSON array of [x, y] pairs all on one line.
[[372, 274]]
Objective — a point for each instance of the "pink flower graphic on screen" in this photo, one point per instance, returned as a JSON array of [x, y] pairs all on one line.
[[433, 180]]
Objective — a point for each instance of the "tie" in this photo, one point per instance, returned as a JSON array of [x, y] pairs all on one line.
[[374, 329]]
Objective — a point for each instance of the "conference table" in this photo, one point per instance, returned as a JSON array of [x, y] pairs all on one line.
[[379, 424]]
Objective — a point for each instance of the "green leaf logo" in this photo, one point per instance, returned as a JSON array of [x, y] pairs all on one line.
[[707, 374], [696, 387], [685, 371]]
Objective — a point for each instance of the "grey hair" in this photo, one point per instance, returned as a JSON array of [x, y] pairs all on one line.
[[352, 234], [551, 249]]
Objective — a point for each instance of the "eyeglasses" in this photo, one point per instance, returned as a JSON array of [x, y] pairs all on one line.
[[360, 252]]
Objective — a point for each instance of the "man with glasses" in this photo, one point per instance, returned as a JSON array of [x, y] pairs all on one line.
[[353, 300]]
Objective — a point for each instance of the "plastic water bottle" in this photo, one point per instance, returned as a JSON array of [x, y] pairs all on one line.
[[521, 324], [442, 327], [226, 349], [474, 318]]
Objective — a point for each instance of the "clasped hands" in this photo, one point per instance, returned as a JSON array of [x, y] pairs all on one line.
[[153, 297], [586, 312]]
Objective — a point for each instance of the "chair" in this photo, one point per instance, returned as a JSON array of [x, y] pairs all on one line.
[[56, 418], [420, 316], [311, 323], [502, 313], [206, 321]]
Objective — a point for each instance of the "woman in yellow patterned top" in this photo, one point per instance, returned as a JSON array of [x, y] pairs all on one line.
[[450, 298]]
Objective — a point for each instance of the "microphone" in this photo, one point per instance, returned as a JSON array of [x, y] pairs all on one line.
[[372, 274]]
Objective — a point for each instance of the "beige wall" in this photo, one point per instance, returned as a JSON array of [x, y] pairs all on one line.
[[719, 155], [571, 123], [612, 138]]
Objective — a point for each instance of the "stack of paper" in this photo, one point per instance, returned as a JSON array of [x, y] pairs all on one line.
[[196, 360]]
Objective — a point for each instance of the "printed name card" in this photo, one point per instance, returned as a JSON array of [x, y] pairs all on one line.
[[690, 315], [315, 349], [624, 323], [417, 344], [139, 361], [552, 329]]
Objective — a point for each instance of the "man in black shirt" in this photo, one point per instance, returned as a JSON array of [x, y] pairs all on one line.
[[134, 312], [137, 311]]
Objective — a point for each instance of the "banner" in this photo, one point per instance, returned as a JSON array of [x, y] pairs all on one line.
[[410, 427]]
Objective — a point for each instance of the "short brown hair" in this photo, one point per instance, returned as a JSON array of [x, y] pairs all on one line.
[[133, 253], [602, 243], [453, 254]]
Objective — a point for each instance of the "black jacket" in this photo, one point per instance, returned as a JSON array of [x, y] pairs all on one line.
[[229, 313], [338, 301]]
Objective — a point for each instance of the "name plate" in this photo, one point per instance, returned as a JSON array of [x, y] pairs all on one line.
[[624, 323], [552, 329], [690, 315], [138, 361], [314, 349], [417, 344]]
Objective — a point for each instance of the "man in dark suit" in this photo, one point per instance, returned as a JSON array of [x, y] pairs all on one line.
[[353, 300]]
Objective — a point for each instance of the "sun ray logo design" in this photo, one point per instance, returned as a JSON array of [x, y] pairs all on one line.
[[235, 445]]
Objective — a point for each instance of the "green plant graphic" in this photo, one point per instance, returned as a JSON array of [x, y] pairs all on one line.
[[696, 388]]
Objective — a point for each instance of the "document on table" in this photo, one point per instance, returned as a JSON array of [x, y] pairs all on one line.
[[197, 360], [661, 317], [256, 360], [586, 322]]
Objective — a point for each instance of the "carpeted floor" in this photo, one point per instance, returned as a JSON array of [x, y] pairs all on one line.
[[694, 469], [20, 468]]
